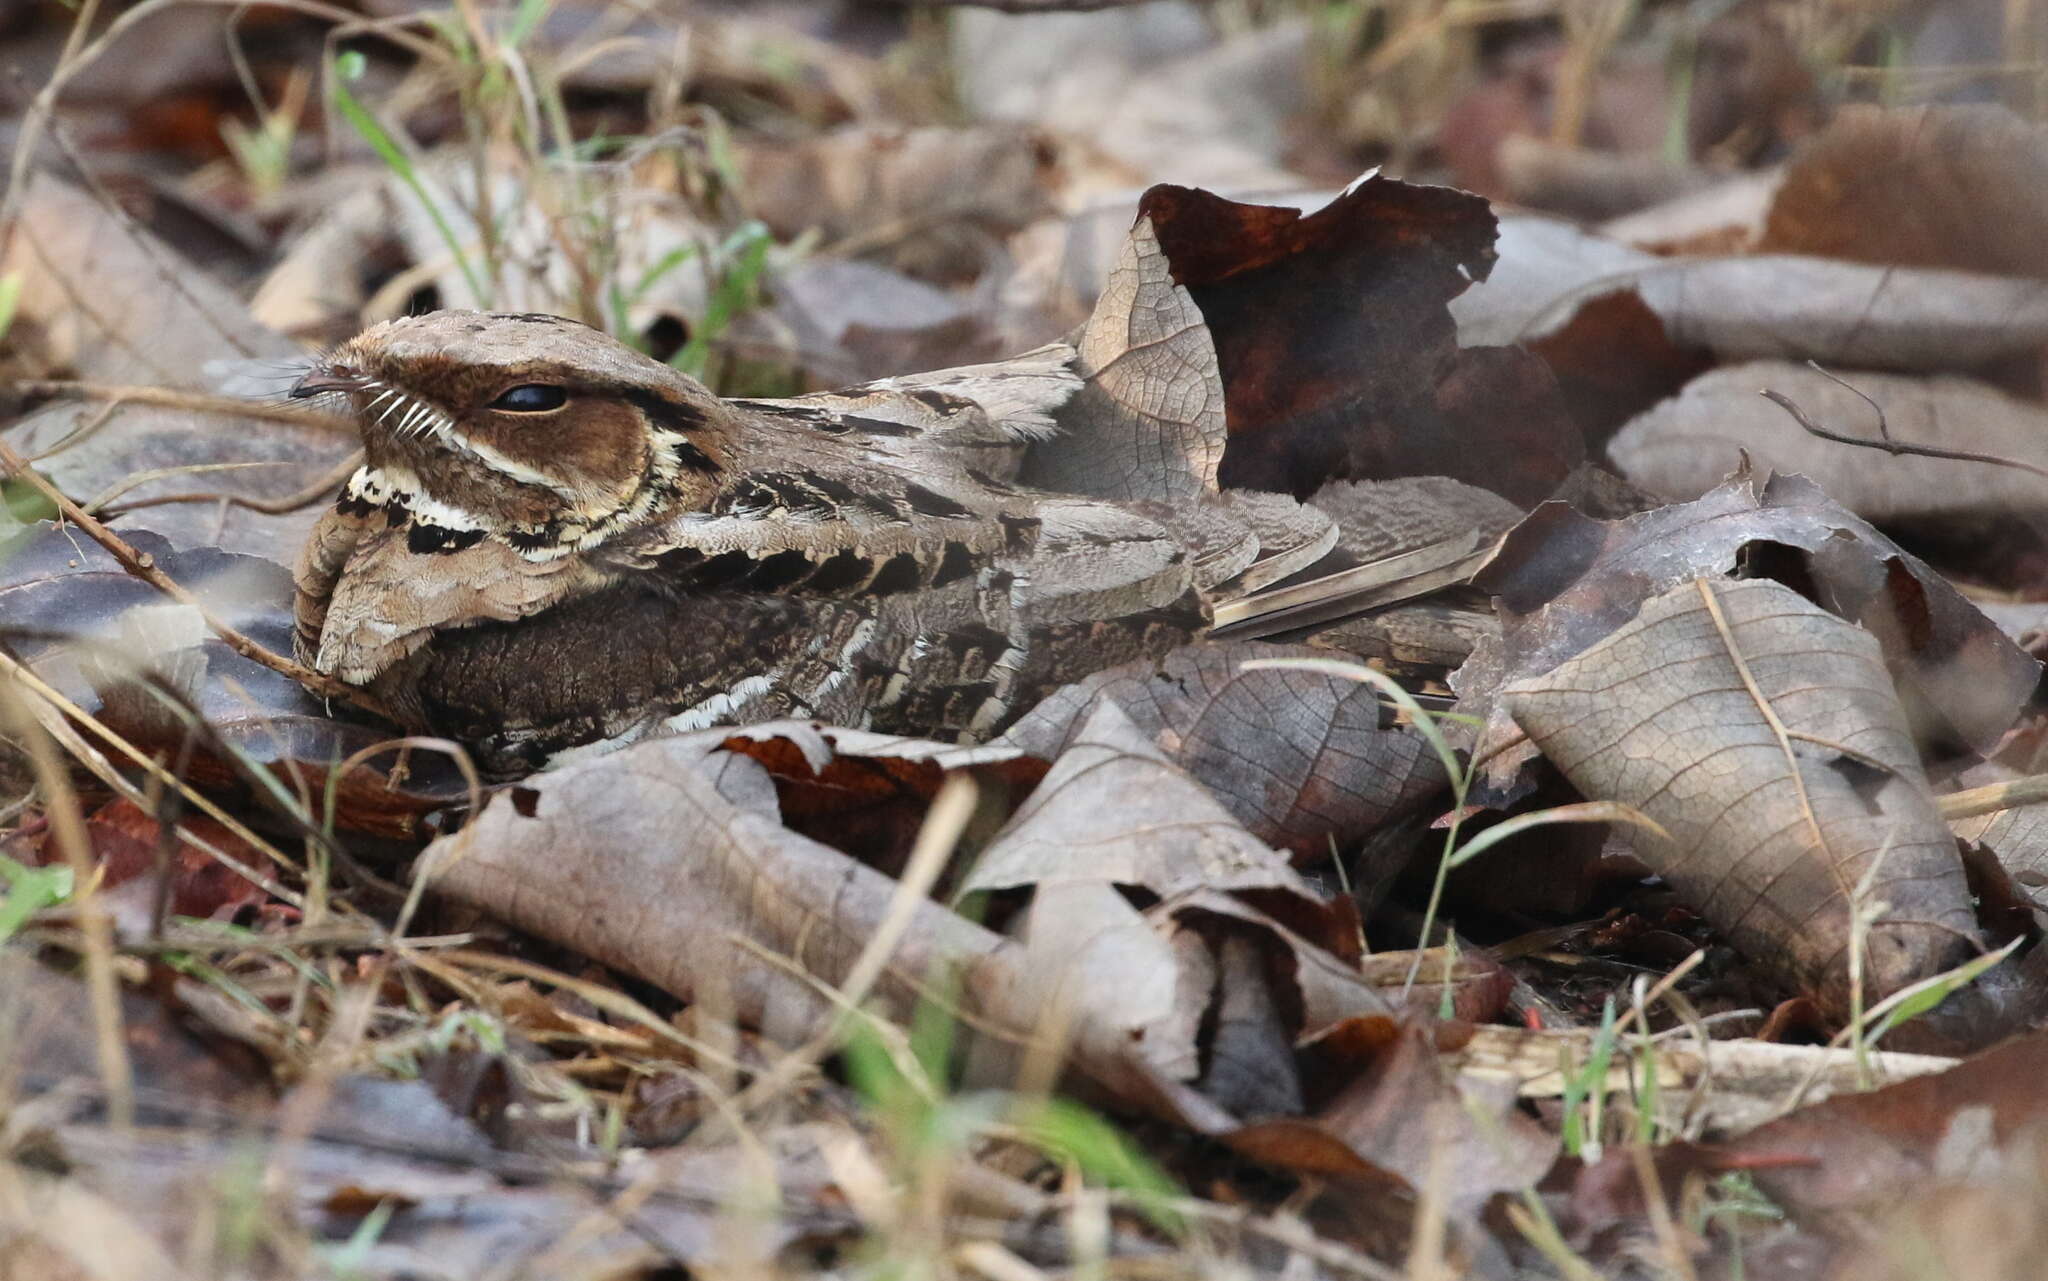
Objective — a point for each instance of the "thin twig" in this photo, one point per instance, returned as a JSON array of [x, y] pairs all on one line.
[[291, 502], [142, 566], [1885, 441], [196, 401]]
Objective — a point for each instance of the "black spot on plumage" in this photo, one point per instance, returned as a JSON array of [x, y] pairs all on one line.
[[989, 482], [669, 415], [533, 540], [691, 458], [944, 402], [976, 647], [956, 564], [538, 318], [781, 570], [424, 539], [898, 574], [836, 492], [692, 568], [352, 505], [929, 502], [750, 496], [841, 571], [396, 514], [1019, 532]]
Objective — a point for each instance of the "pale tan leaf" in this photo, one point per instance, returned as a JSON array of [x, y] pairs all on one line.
[[1719, 730], [1300, 758], [1114, 810], [1685, 446], [637, 861], [111, 304], [1148, 420]]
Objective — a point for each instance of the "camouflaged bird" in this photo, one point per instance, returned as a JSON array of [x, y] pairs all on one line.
[[557, 543]]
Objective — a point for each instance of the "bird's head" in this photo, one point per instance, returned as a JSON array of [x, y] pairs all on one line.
[[533, 425]]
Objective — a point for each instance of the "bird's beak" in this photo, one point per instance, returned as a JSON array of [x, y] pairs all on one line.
[[324, 379]]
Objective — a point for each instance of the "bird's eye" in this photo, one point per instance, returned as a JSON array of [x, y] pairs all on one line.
[[532, 398]]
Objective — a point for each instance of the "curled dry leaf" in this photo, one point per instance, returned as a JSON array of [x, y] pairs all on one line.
[[1406, 1108], [1300, 758], [1683, 447], [1762, 732], [1563, 582], [1148, 422], [2018, 836], [861, 792], [1338, 354]]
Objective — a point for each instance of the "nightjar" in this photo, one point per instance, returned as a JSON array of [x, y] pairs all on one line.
[[557, 544]]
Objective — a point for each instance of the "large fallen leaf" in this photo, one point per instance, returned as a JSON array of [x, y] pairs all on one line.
[[1338, 354], [1803, 308], [1300, 758], [1762, 732], [636, 860], [1563, 582], [1685, 446], [1148, 422]]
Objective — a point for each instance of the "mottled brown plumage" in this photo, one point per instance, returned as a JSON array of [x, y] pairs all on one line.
[[556, 542]]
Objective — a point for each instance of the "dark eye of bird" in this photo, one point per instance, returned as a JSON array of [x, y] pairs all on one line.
[[532, 398]]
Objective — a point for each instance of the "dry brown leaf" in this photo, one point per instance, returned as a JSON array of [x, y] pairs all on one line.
[[1763, 733], [115, 304], [636, 860], [109, 303], [1544, 263], [1339, 358], [1685, 446], [1406, 1112], [1300, 758], [1868, 1155], [1755, 306], [1115, 810], [1563, 581], [1148, 422], [1935, 186], [1779, 306]]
